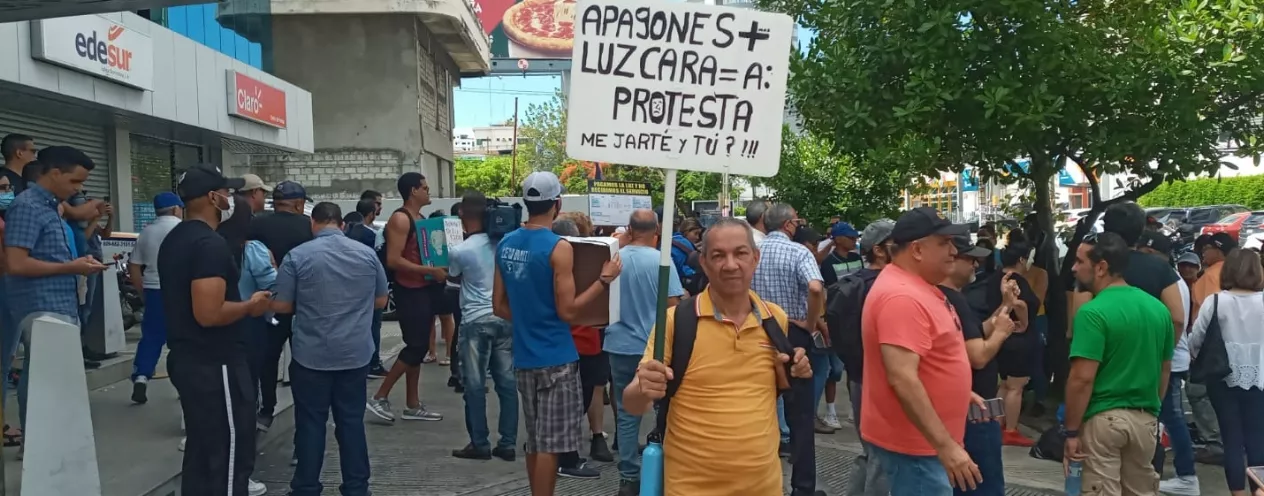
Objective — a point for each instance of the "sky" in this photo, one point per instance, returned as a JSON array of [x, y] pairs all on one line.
[[490, 100]]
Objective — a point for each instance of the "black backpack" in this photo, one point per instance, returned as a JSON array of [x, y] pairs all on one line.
[[844, 303], [381, 251], [684, 333]]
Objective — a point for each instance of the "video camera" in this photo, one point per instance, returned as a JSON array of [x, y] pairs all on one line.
[[501, 218]]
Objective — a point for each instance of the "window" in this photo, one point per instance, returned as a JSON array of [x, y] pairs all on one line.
[[1231, 218]]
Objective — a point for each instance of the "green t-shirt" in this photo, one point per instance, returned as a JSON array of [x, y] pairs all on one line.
[[1129, 333]]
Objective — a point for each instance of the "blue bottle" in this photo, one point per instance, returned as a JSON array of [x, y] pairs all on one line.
[[652, 469], [1073, 481]]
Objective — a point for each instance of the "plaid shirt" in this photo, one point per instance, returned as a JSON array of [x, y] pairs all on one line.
[[785, 269], [32, 223]]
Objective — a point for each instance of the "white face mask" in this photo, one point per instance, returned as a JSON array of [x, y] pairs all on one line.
[[225, 214]]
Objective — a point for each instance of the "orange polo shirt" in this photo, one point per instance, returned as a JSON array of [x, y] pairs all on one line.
[[1205, 286], [722, 433], [904, 310]]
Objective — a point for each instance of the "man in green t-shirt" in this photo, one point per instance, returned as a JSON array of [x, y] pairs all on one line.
[[1121, 358]]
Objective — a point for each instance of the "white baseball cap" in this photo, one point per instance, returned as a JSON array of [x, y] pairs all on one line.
[[541, 186]]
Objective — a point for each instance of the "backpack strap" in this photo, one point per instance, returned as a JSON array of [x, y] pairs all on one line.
[[777, 336], [682, 247], [684, 333]]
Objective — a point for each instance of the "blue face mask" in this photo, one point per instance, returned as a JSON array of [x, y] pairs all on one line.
[[6, 199]]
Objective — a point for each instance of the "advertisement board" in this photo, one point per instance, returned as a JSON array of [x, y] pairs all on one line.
[[96, 46], [251, 99], [528, 29]]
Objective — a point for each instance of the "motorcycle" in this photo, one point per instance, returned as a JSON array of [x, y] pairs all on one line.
[[131, 302]]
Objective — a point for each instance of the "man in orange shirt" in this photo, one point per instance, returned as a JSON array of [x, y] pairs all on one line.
[[916, 392], [1212, 249]]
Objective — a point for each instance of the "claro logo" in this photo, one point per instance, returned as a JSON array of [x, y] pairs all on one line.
[[104, 51]]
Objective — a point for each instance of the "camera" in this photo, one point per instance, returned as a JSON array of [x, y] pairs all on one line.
[[501, 218]]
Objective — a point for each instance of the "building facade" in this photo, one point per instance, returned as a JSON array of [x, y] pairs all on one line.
[[143, 101]]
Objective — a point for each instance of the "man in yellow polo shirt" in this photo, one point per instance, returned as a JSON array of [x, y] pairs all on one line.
[[722, 433]]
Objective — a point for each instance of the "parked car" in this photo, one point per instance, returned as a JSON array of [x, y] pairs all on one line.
[[1252, 225], [1231, 224], [1195, 218]]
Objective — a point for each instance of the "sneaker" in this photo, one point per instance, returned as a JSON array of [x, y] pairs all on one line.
[[381, 408], [822, 428], [469, 452], [1210, 455], [598, 449], [1015, 438], [182, 441], [453, 382], [256, 488], [580, 472], [832, 421], [1180, 486], [263, 422], [459, 389], [139, 390], [506, 454], [629, 488], [421, 413], [377, 372]]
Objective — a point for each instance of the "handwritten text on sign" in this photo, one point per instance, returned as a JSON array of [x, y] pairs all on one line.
[[678, 85]]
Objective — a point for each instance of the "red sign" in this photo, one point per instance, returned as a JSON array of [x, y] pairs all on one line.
[[250, 99]]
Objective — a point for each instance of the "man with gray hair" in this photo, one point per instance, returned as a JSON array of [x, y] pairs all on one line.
[[755, 211], [788, 275], [142, 270], [626, 339]]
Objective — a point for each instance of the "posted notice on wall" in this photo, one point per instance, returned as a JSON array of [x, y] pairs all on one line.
[[615, 210], [678, 86]]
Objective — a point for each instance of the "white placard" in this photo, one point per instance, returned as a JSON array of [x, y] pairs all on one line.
[[614, 210], [678, 86], [95, 45], [454, 231]]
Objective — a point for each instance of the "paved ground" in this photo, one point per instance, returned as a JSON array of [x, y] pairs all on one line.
[[413, 457]]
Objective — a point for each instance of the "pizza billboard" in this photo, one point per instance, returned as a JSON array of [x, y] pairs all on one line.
[[528, 29]]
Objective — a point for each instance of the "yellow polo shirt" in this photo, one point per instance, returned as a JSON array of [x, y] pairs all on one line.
[[722, 432]]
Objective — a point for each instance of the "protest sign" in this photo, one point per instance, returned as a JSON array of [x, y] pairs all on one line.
[[678, 86]]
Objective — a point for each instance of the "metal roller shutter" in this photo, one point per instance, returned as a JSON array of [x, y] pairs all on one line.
[[49, 132]]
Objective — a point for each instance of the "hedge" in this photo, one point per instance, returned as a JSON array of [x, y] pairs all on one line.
[[1245, 190]]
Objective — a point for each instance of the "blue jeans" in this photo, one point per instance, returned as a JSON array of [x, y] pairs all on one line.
[[1173, 417], [10, 338], [1239, 412], [826, 367], [781, 420], [983, 443], [85, 310], [627, 426], [486, 345], [153, 336], [913, 475], [868, 477], [376, 361], [316, 393]]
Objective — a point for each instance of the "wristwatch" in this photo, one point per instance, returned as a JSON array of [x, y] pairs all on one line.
[[604, 282], [1070, 434]]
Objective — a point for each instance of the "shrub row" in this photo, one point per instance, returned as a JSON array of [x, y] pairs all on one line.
[[1247, 191]]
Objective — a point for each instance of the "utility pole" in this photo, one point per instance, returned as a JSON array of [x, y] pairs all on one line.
[[513, 171]]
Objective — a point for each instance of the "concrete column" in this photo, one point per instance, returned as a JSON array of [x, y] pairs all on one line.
[[61, 457], [121, 179]]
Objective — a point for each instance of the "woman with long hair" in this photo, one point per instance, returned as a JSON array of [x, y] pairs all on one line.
[[1238, 398], [1017, 353]]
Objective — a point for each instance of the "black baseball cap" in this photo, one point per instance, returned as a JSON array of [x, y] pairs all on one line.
[[1223, 242], [921, 222], [202, 179], [1155, 241], [290, 190], [806, 234], [967, 249]]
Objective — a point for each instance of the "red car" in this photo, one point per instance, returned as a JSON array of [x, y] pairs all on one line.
[[1231, 224]]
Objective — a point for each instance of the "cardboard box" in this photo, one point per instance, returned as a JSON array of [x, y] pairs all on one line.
[[590, 255], [435, 236]]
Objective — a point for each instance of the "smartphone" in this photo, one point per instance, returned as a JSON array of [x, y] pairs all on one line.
[[818, 341], [1256, 474], [995, 410]]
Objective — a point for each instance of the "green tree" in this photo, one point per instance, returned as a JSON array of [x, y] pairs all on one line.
[[489, 176], [542, 138], [822, 184], [1130, 86]]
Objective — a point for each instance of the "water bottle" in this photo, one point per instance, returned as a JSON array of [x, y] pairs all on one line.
[[1074, 471], [652, 469]]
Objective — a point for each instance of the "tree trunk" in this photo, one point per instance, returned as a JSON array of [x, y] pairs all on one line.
[[1058, 347]]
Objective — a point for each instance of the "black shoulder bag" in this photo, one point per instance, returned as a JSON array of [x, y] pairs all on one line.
[[1212, 362]]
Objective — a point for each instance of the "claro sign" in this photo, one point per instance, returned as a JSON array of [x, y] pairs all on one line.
[[250, 99], [97, 46]]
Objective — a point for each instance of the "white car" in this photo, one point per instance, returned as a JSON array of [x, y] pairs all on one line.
[[1255, 241]]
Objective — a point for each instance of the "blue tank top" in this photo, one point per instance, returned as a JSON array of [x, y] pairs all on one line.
[[540, 338]]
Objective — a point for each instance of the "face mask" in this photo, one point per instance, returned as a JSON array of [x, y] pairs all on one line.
[[225, 213], [6, 199]]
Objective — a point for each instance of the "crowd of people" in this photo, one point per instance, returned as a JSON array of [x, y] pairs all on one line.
[[935, 335]]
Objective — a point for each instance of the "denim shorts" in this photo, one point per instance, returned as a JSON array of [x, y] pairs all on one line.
[[914, 475]]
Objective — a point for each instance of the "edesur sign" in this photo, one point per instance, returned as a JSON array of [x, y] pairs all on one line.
[[97, 46], [250, 99]]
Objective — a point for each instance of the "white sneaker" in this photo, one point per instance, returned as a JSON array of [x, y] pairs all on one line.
[[1180, 486], [256, 488], [832, 421], [182, 440]]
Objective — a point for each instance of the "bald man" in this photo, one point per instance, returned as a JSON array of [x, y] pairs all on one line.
[[625, 339]]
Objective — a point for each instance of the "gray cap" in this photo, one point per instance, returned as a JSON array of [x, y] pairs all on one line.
[[876, 233], [541, 186], [1189, 257]]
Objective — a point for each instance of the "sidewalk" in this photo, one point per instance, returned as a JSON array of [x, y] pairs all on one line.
[[413, 457]]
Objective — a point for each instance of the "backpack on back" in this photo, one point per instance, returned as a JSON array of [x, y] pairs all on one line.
[[844, 303], [684, 333]]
